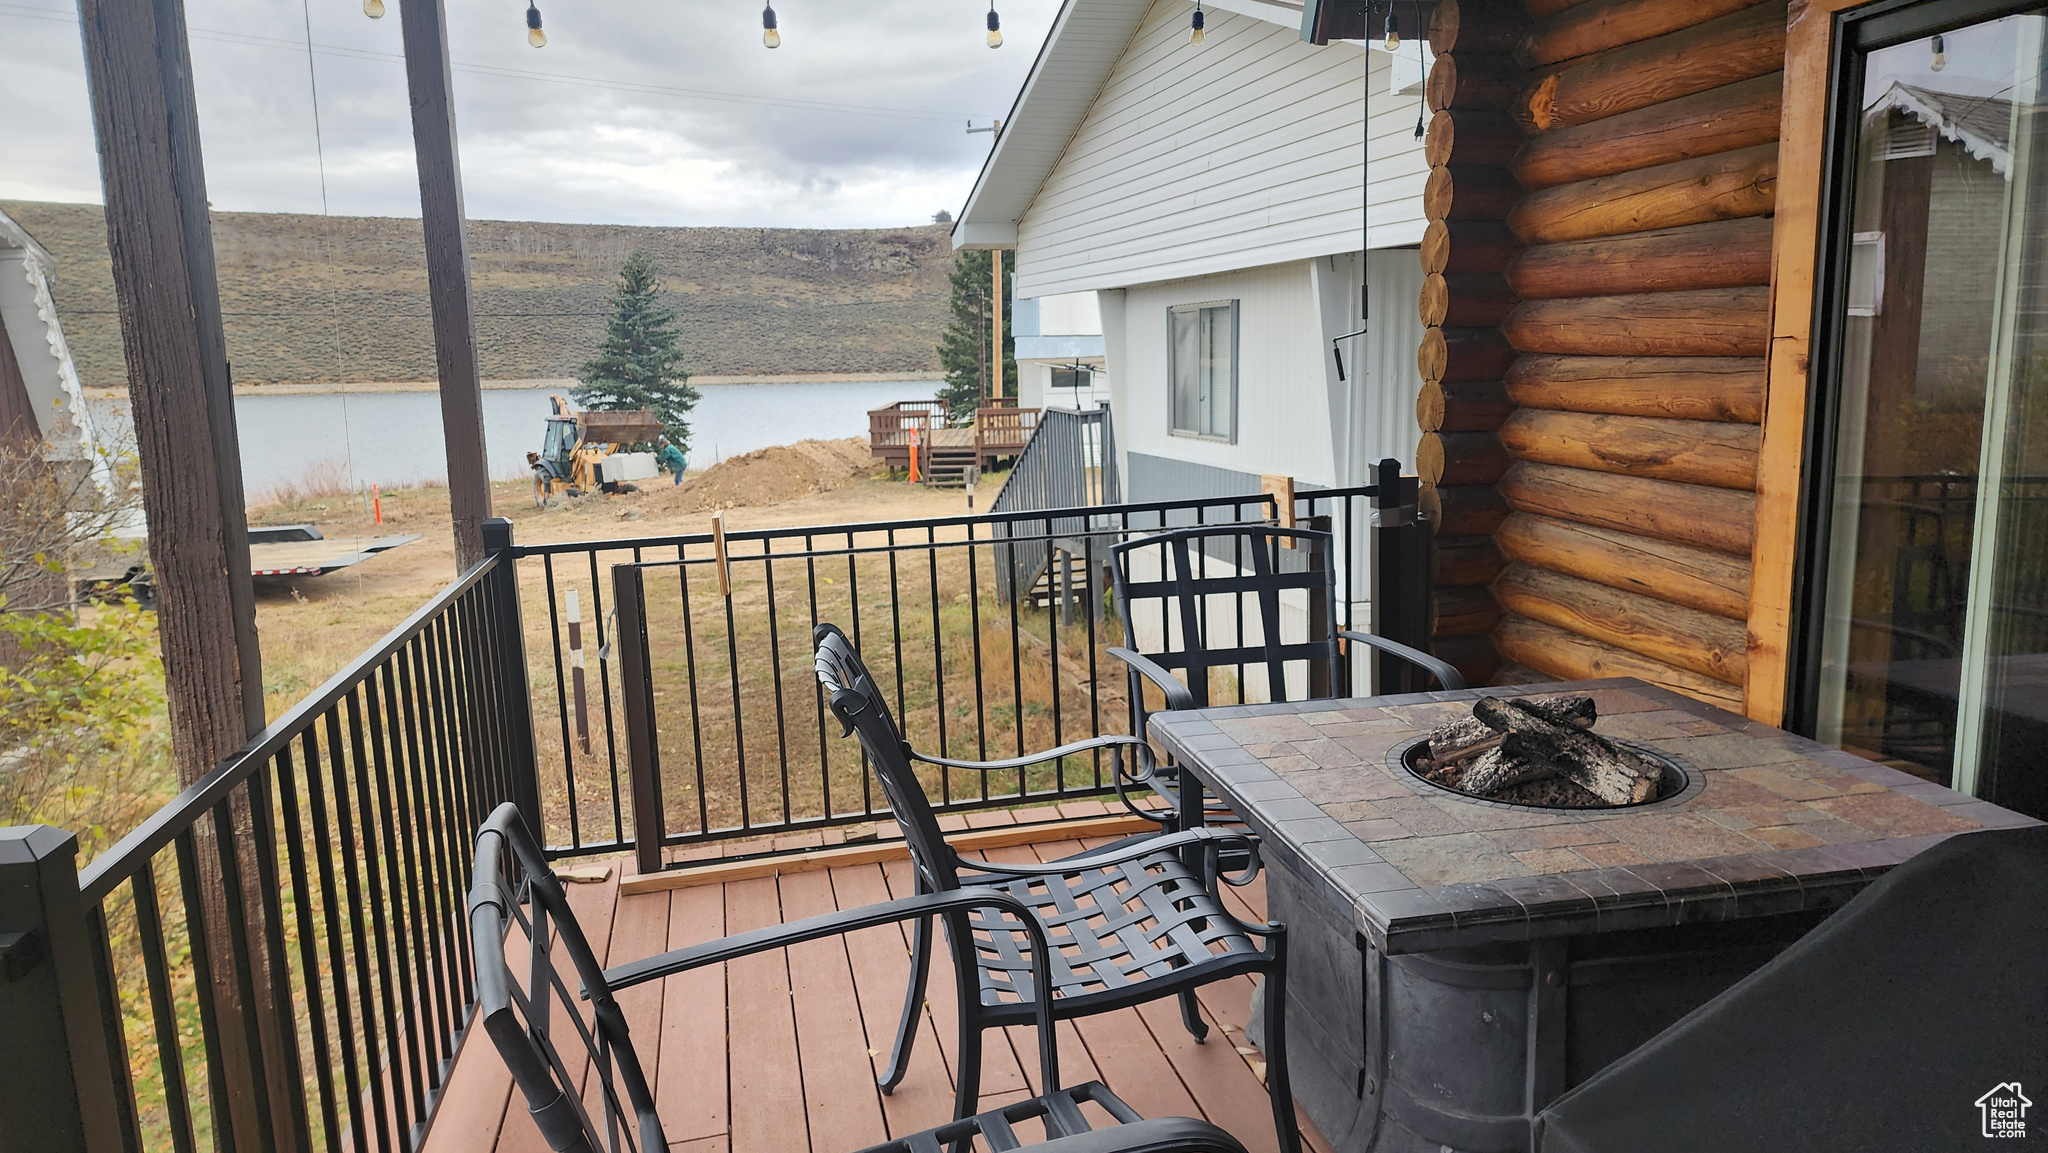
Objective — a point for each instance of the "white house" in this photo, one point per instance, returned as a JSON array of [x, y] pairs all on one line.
[[1060, 359], [37, 379], [1208, 197]]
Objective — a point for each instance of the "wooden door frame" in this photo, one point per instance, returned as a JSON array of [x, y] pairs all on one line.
[[1789, 467]]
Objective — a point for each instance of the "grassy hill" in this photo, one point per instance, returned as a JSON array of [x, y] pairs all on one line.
[[313, 299]]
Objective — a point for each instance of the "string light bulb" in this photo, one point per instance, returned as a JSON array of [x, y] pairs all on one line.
[[995, 27], [1940, 60], [374, 9], [1393, 31], [770, 35], [534, 35], [1195, 26]]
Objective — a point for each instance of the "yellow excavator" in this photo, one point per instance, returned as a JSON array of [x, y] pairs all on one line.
[[584, 451]]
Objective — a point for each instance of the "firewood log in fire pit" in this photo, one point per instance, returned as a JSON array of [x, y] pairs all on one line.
[[1591, 762], [1512, 741]]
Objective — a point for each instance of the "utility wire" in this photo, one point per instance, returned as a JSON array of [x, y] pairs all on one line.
[[28, 12]]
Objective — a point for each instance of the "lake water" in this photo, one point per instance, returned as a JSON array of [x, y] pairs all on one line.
[[394, 438]]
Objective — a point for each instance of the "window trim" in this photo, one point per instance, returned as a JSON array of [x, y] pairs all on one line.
[[1856, 33], [1172, 375]]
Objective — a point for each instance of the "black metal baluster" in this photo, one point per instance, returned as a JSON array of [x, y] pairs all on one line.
[[308, 934], [359, 938], [775, 666], [219, 1112], [562, 702], [696, 713], [234, 911], [170, 1059]]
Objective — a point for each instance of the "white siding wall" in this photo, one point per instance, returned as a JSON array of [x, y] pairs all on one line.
[[1282, 406], [1069, 314], [1240, 153]]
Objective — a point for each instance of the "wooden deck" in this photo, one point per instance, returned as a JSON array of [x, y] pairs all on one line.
[[777, 1053]]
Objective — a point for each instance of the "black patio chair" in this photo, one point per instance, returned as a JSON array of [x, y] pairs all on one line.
[[1195, 572], [540, 1028], [1127, 923]]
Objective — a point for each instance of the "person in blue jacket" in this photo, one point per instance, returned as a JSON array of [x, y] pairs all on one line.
[[668, 456]]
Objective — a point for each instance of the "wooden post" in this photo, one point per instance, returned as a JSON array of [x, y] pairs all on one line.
[[995, 358], [425, 26], [160, 242]]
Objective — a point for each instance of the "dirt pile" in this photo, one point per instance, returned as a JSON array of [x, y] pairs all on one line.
[[767, 476]]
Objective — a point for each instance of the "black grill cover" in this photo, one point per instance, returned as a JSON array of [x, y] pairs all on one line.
[[1879, 1030]]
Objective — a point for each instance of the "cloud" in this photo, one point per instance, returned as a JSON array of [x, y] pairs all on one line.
[[637, 111]]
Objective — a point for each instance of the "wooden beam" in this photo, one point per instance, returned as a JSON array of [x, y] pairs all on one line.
[[1709, 322], [1462, 406], [1717, 254], [1739, 115], [1710, 452], [1724, 186], [1802, 149], [1683, 387], [980, 840], [1735, 47], [160, 248], [1697, 578], [1470, 246], [424, 24], [1716, 518], [1564, 655], [1599, 25]]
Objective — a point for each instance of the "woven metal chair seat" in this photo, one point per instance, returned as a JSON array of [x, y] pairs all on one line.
[[1110, 930]]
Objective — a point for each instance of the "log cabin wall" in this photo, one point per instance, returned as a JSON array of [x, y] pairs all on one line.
[[1638, 267], [1464, 356]]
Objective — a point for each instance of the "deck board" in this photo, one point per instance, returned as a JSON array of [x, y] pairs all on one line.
[[778, 1053]]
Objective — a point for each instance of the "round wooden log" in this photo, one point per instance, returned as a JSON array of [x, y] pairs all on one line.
[[1473, 656], [1562, 655], [1462, 406], [1463, 354], [1477, 26], [1681, 637], [1681, 387], [1473, 80], [1464, 510], [1734, 47], [1711, 322], [1541, 9], [1739, 115], [1694, 577], [1693, 451], [1721, 519], [1455, 458], [1463, 611], [1717, 254], [1459, 561], [1724, 186], [1467, 246], [1468, 136], [1471, 192], [1464, 300], [1602, 24]]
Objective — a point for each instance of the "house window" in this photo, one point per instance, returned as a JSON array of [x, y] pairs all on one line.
[[1074, 378], [1923, 634], [1204, 370]]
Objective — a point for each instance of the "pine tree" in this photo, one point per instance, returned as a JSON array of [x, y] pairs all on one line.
[[963, 347], [639, 364]]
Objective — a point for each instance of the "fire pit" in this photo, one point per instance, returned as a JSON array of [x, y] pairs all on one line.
[[1543, 752], [1457, 961]]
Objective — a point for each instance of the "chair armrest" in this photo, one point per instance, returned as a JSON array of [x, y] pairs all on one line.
[[1113, 741], [1114, 855], [811, 928], [1177, 694], [1445, 675]]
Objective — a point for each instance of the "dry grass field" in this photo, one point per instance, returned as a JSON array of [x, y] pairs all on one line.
[[310, 299]]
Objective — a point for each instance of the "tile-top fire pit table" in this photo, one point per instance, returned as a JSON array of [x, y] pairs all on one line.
[[1455, 963]]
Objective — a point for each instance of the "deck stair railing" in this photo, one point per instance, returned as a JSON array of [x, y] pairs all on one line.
[[1070, 462]]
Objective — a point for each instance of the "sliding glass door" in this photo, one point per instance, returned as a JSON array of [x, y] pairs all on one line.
[[1926, 559]]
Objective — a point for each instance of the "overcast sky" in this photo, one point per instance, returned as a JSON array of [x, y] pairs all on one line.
[[636, 112]]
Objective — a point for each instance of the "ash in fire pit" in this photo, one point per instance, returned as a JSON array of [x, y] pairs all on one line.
[[1540, 751]]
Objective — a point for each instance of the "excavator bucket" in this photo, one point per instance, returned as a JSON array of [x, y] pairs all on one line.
[[631, 426]]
